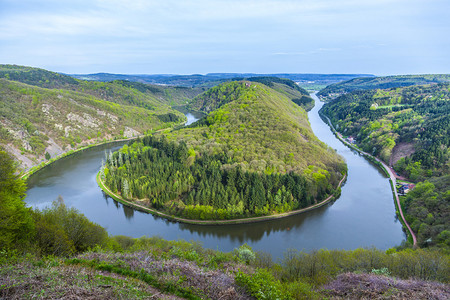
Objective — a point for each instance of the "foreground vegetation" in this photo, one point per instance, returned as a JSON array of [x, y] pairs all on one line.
[[153, 267], [253, 155], [408, 128]]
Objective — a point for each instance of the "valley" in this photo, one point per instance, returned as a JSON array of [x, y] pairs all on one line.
[[257, 129]]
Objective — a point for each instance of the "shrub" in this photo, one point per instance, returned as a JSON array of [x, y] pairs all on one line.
[[261, 284], [382, 271], [245, 254], [62, 230]]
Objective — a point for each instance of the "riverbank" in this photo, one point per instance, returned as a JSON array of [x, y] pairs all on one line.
[[387, 170], [42, 165], [137, 206]]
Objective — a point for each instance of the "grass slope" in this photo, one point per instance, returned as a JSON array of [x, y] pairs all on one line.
[[289, 88], [368, 83]]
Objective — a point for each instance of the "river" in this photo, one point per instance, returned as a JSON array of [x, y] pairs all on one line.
[[364, 215]]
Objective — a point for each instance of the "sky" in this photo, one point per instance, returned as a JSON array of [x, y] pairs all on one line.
[[381, 37]]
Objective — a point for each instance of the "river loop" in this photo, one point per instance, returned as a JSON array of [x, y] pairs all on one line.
[[363, 216]]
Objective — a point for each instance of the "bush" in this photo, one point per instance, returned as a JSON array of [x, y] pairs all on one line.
[[125, 242], [382, 271], [245, 254], [261, 284], [62, 230]]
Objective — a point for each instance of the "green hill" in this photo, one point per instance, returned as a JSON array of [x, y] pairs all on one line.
[[38, 123], [369, 83], [37, 77], [409, 128], [289, 88], [254, 154], [246, 113], [217, 96], [119, 91]]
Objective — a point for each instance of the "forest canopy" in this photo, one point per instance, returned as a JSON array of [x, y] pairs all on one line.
[[253, 154]]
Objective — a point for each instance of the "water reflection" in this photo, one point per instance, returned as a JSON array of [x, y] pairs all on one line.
[[128, 212]]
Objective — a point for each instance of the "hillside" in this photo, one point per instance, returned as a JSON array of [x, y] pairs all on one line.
[[39, 123], [218, 96], [369, 83], [119, 91], [289, 88], [257, 123], [254, 154], [408, 128]]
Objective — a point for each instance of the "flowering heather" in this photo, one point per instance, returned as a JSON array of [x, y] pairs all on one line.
[[370, 286], [209, 283]]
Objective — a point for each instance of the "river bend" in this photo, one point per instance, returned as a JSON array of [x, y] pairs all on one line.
[[364, 215]]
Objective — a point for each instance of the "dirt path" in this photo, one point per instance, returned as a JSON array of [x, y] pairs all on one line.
[[212, 222], [392, 177]]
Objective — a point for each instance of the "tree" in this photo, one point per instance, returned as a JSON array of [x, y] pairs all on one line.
[[63, 231], [16, 224]]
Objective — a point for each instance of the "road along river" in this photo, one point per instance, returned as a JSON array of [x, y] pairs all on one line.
[[364, 215]]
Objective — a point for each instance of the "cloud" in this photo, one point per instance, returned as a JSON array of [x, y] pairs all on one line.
[[202, 36]]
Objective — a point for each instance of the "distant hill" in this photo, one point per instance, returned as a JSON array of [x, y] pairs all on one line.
[[119, 91], [369, 83], [253, 154], [212, 79], [37, 77]]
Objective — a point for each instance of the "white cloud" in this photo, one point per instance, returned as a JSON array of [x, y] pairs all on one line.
[[203, 34]]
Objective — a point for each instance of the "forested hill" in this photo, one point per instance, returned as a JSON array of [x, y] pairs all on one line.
[[118, 91], [289, 88], [257, 122], [254, 155], [408, 128], [369, 83], [224, 93]]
